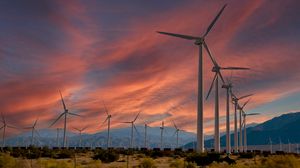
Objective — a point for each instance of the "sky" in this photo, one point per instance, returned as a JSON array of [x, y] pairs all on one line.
[[100, 52]]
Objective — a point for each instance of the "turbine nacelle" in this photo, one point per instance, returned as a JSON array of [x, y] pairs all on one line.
[[199, 41]]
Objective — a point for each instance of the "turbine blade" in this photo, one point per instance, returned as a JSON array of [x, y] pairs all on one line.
[[84, 128], [245, 103], [57, 119], [174, 125], [136, 130], [211, 86], [127, 122], [35, 122], [136, 116], [250, 114], [105, 108], [10, 126], [210, 56], [179, 35], [245, 96], [220, 75], [62, 100], [235, 68], [104, 121], [75, 114], [38, 134], [27, 128], [76, 129], [214, 21]]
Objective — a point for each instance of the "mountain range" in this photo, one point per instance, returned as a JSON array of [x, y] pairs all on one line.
[[283, 128]]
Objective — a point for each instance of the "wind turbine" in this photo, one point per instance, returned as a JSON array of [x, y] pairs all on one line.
[[176, 132], [200, 42], [65, 114], [235, 101], [217, 70], [132, 127], [161, 134], [108, 125], [244, 122], [80, 133], [4, 126], [145, 138], [33, 130]]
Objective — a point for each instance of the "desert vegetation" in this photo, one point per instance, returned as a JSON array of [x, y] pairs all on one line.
[[69, 158]]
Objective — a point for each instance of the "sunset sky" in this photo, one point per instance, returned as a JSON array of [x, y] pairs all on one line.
[[96, 50]]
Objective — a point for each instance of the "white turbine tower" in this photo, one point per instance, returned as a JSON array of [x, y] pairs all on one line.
[[108, 117], [200, 42], [4, 126], [33, 130], [65, 114], [132, 127], [235, 101], [177, 133], [80, 134], [228, 86], [217, 70], [161, 134]]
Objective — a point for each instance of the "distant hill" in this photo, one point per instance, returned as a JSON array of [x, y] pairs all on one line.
[[120, 137], [285, 127]]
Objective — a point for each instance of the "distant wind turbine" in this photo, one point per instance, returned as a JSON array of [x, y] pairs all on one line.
[[132, 127], [161, 134], [108, 125], [65, 114], [4, 126], [33, 130], [271, 147], [176, 132], [80, 133], [217, 70], [145, 137], [235, 101], [199, 41], [244, 114]]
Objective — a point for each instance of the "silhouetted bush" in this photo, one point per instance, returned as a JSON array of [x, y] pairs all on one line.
[[106, 156], [246, 155], [203, 159], [228, 160]]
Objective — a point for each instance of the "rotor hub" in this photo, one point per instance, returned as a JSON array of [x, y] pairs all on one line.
[[199, 41]]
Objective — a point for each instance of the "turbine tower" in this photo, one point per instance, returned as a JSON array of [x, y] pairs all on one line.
[[176, 132], [80, 133], [161, 134], [271, 147], [33, 130], [65, 114], [108, 125], [4, 126], [145, 138], [235, 101], [228, 86], [200, 42], [132, 127], [217, 70]]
